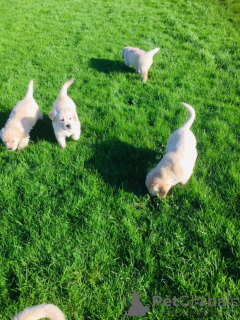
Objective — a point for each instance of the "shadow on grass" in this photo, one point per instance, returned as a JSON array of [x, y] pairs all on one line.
[[3, 118], [13, 282], [229, 254], [122, 165], [109, 66], [43, 130]]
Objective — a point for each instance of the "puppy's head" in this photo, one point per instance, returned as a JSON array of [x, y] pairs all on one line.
[[64, 118], [157, 186], [124, 50], [11, 137]]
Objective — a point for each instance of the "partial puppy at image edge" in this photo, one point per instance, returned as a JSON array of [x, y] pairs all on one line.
[[178, 163], [40, 311]]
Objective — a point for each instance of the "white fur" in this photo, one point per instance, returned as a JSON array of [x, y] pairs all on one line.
[[40, 311], [15, 134], [139, 59], [178, 163], [64, 117]]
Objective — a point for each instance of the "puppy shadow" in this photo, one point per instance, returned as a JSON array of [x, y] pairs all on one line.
[[43, 130], [3, 118], [122, 165], [108, 66]]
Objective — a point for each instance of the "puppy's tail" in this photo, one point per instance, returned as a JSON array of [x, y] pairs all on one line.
[[29, 93], [152, 52], [63, 91], [40, 311], [189, 122]]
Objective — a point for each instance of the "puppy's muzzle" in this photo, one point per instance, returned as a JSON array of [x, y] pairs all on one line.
[[68, 126]]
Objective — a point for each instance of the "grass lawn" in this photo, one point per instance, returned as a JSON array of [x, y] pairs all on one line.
[[77, 227]]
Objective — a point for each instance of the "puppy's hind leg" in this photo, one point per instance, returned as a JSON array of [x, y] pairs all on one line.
[[145, 75]]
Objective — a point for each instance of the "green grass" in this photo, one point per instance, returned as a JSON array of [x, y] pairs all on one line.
[[77, 227]]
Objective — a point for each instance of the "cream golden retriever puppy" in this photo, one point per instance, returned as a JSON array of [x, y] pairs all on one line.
[[40, 311], [178, 163], [139, 59], [22, 119], [64, 117]]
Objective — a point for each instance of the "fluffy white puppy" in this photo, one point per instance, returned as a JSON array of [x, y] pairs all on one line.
[[40, 311], [64, 117], [22, 119], [139, 59], [178, 163]]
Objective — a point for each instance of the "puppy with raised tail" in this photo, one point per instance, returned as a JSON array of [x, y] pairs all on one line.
[[178, 163], [40, 311], [139, 59], [15, 134], [64, 117]]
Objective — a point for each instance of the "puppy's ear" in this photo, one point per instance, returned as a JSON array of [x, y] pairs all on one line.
[[75, 117], [52, 114], [163, 189]]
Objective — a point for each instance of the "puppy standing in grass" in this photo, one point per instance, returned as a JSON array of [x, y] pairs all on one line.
[[139, 59], [23, 117], [64, 117], [40, 311], [178, 163]]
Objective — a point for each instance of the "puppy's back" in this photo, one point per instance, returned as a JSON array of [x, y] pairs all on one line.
[[27, 107], [64, 101]]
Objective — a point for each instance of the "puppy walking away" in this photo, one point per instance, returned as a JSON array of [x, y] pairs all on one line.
[[139, 59], [178, 163]]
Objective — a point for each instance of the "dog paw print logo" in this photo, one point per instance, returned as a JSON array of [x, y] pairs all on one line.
[[202, 301], [136, 309]]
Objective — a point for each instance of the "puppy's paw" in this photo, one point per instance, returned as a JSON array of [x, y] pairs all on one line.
[[23, 144], [62, 145], [75, 137]]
